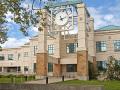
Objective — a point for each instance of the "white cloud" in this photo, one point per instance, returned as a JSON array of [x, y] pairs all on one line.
[[27, 5], [13, 42], [24, 5], [34, 29], [108, 17], [9, 15], [105, 17], [98, 17]]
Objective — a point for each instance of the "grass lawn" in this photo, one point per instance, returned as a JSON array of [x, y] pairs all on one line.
[[16, 80], [108, 85]]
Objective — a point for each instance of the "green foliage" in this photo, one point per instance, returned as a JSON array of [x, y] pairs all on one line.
[[16, 78], [25, 17], [113, 69]]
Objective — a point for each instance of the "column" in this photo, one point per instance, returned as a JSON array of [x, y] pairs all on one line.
[[41, 63], [22, 69], [91, 39], [57, 67], [91, 44], [2, 69], [82, 53], [57, 45]]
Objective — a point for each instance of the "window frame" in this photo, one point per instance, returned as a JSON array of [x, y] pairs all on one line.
[[26, 68], [68, 48], [101, 46], [2, 57], [117, 46], [26, 54], [71, 67], [50, 67], [10, 57], [51, 49], [102, 65]]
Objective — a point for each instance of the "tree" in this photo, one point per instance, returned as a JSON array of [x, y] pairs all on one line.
[[113, 69], [25, 17]]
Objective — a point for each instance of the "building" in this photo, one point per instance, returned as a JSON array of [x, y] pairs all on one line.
[[68, 54], [19, 60], [23, 59]]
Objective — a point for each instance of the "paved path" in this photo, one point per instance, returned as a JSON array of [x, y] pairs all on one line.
[[50, 80]]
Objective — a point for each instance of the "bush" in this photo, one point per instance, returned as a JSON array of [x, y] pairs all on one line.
[[113, 69], [2, 76]]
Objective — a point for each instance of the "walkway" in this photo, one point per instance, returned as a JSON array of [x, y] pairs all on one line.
[[50, 80]]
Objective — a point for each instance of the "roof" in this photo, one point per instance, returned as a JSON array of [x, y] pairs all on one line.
[[108, 28], [56, 4]]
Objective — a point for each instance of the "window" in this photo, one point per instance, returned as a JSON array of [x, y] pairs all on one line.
[[2, 57], [50, 67], [35, 50], [34, 67], [51, 49], [10, 56], [101, 46], [25, 68], [102, 65], [71, 67], [25, 54], [18, 56], [117, 45], [72, 47], [18, 69]]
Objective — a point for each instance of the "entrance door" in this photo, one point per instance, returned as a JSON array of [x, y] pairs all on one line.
[[50, 69]]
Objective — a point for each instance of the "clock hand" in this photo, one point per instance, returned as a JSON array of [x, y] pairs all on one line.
[[61, 18]]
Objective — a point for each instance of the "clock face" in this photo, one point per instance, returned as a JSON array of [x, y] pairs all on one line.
[[61, 18]]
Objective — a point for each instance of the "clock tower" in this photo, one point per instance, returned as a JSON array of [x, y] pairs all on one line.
[[66, 17]]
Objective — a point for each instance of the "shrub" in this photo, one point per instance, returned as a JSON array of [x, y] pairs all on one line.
[[113, 69]]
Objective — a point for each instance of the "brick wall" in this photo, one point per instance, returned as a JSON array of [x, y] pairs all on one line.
[[82, 65], [41, 64]]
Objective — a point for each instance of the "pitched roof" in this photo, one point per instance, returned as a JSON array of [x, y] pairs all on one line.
[[108, 28]]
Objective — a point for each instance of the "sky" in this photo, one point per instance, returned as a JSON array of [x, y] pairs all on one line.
[[104, 12]]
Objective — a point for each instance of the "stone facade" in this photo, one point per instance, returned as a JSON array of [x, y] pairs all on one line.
[[82, 65], [57, 70], [41, 66]]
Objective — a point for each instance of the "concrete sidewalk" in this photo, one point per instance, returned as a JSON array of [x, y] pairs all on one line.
[[50, 80]]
